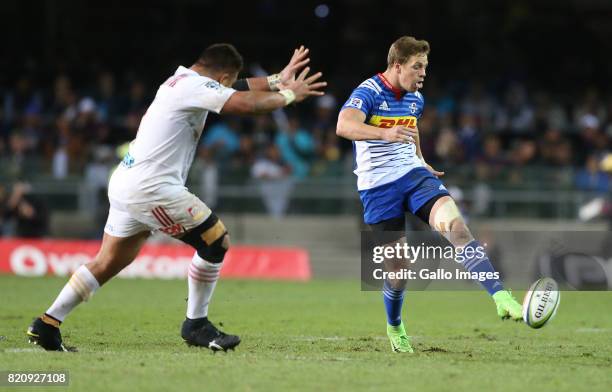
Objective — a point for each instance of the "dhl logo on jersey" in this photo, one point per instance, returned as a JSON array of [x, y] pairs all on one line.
[[390, 122]]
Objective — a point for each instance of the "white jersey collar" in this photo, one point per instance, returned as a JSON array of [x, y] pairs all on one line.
[[183, 70]]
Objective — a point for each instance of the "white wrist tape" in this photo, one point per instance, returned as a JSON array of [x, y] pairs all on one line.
[[273, 81], [289, 96]]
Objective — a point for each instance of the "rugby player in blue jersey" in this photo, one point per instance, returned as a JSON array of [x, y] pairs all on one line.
[[393, 178]]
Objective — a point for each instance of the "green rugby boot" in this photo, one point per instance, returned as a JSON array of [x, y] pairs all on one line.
[[400, 343], [507, 306]]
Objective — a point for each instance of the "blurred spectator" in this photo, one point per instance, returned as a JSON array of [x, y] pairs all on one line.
[[563, 154], [18, 154], [17, 101], [97, 173], [469, 136], [427, 129], [28, 212], [274, 182], [329, 162], [326, 110], [479, 104], [32, 126], [515, 115], [296, 147], [87, 115], [262, 132], [208, 171], [549, 145], [60, 162], [522, 154], [243, 156], [591, 178], [589, 105], [591, 137], [548, 114], [136, 107], [493, 159], [439, 98], [222, 139], [448, 147], [108, 102], [137, 98], [64, 98]]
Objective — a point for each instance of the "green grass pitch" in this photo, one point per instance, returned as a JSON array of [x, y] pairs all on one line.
[[324, 335]]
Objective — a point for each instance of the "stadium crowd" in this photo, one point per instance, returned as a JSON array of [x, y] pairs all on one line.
[[67, 128]]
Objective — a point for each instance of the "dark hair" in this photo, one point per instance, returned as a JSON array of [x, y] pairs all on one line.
[[221, 57], [405, 47]]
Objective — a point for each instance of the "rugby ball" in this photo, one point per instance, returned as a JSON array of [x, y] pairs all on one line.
[[541, 302]]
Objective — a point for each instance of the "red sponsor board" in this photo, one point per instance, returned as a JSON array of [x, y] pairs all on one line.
[[61, 258]]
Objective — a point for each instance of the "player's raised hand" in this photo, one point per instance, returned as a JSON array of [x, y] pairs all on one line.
[[399, 134], [304, 87], [298, 61]]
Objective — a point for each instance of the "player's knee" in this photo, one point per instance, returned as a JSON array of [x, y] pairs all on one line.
[[460, 235], [215, 252], [210, 239], [444, 215]]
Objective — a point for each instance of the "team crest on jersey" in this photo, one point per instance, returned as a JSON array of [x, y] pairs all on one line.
[[128, 160], [213, 84], [413, 108], [384, 106], [355, 103]]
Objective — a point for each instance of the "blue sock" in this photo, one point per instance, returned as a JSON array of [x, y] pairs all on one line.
[[393, 304], [479, 262]]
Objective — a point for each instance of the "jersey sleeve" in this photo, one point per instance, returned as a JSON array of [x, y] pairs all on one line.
[[361, 99], [209, 95]]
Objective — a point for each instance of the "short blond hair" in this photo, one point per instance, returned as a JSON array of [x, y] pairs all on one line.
[[405, 47]]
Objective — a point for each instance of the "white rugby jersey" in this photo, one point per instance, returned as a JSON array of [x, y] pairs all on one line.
[[378, 162], [167, 137]]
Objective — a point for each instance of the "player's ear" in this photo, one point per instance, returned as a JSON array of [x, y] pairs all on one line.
[[228, 79], [224, 79]]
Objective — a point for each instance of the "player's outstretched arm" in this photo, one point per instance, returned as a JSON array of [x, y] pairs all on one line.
[[257, 102], [279, 80], [351, 125]]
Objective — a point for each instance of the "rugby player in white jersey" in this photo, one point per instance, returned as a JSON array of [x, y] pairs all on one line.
[[147, 191]]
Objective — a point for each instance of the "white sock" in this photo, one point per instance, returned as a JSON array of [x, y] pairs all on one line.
[[80, 287], [202, 280]]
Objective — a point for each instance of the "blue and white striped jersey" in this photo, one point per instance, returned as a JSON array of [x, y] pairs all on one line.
[[379, 162]]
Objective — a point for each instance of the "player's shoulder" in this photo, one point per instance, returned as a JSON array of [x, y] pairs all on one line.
[[371, 85], [419, 96], [185, 79]]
